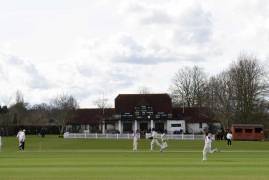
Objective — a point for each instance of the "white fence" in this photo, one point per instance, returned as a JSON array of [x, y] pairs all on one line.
[[128, 136]]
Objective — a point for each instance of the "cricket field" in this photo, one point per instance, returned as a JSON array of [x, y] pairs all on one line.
[[56, 158]]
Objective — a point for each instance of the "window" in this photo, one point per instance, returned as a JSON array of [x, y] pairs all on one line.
[[258, 130], [127, 127], [238, 130], [200, 125], [248, 130], [175, 125]]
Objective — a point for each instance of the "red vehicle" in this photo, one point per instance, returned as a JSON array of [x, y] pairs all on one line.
[[248, 132]]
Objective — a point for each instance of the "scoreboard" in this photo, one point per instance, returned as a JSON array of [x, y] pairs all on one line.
[[145, 112]]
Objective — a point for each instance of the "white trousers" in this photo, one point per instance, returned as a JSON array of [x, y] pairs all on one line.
[[164, 145], [154, 141], [135, 143], [207, 149]]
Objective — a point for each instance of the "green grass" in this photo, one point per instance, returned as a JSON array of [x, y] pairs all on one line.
[[81, 159]]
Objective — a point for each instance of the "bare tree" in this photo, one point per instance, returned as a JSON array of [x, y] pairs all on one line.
[[144, 90], [18, 111], [188, 87], [238, 94], [219, 98], [102, 104], [64, 107], [250, 86]]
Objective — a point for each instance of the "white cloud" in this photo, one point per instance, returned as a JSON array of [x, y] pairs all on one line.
[[85, 48]]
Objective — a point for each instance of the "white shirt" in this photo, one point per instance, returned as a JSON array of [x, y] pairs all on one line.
[[21, 136], [163, 137], [154, 135], [229, 136], [208, 140], [135, 136]]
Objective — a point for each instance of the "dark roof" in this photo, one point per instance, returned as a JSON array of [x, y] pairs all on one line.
[[247, 125], [192, 114], [91, 116], [159, 102]]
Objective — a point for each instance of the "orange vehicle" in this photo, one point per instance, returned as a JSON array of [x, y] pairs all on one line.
[[248, 132]]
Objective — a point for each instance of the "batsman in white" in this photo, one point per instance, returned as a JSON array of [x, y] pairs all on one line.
[[154, 136], [207, 147]]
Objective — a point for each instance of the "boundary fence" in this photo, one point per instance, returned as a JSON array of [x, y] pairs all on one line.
[[129, 136]]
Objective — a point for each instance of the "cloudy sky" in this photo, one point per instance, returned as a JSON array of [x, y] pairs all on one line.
[[87, 48]]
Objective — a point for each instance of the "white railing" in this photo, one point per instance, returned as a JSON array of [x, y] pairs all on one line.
[[97, 136], [182, 136], [129, 136]]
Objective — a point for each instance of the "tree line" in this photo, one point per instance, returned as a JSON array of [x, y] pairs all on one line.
[[236, 95], [21, 114]]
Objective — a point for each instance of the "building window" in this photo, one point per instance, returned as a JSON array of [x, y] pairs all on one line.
[[238, 130], [258, 130], [200, 125], [248, 130], [175, 125], [127, 127]]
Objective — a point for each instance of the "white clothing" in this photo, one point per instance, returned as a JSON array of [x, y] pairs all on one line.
[[154, 135], [164, 141], [207, 147], [229, 136], [135, 141], [21, 136], [154, 140]]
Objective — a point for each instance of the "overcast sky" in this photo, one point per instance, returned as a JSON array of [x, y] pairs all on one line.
[[89, 47]]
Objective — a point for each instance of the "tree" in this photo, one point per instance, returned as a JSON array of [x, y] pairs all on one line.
[[63, 108], [144, 90], [237, 95], [219, 98], [250, 87], [18, 111], [102, 104], [188, 87], [4, 120]]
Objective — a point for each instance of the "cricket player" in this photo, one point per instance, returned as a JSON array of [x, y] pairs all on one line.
[[20, 138], [23, 140], [154, 140], [229, 137], [164, 142], [135, 140], [207, 148]]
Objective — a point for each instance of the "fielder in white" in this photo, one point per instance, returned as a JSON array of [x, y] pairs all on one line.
[[20, 137], [229, 138], [164, 142], [135, 140], [207, 148], [154, 140]]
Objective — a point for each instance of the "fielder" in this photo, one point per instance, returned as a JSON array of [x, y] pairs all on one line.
[[20, 138], [229, 138], [164, 142], [135, 140], [154, 140], [207, 147]]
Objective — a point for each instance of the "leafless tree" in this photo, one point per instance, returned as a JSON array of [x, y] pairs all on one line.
[[238, 94], [144, 90], [63, 107], [102, 104], [188, 87], [18, 110], [250, 86]]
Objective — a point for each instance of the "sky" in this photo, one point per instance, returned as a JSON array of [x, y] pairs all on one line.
[[95, 48]]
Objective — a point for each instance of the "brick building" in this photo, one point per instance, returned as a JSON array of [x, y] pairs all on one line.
[[139, 112]]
